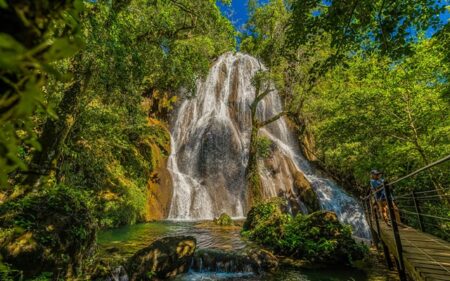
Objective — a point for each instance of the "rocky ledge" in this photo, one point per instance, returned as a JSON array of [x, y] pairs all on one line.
[[164, 258], [170, 256]]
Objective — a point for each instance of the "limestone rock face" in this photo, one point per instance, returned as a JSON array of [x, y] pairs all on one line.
[[164, 258], [210, 151], [160, 188], [159, 193]]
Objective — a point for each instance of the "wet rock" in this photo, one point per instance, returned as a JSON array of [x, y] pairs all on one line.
[[254, 261], [223, 220], [306, 193], [117, 274], [265, 260], [164, 258], [112, 250], [212, 260]]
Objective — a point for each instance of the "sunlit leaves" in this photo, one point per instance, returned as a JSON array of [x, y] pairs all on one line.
[[62, 48], [390, 26], [376, 113], [30, 42]]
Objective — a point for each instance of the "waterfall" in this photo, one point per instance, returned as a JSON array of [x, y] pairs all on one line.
[[210, 144]]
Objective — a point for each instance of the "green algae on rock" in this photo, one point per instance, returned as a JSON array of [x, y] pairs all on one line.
[[224, 220]]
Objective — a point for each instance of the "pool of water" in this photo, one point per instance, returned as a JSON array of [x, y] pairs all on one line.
[[281, 275], [127, 240], [123, 242]]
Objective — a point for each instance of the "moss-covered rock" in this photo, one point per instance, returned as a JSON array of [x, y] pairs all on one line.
[[52, 231], [223, 220], [318, 237], [264, 260], [164, 258], [265, 222], [306, 193]]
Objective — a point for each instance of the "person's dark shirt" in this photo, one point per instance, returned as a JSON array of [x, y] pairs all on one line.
[[375, 184]]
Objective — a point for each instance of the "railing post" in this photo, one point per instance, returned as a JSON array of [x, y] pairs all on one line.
[[369, 218], [398, 241], [387, 255], [417, 207]]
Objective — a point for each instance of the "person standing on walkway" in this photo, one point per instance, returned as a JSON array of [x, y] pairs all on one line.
[[376, 182]]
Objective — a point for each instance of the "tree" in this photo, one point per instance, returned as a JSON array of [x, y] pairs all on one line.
[[372, 112], [386, 25], [262, 90], [33, 36], [155, 50]]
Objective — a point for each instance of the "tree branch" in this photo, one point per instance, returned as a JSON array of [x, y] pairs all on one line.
[[273, 119]]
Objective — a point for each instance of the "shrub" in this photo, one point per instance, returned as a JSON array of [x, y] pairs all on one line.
[[224, 220], [318, 237], [264, 147], [51, 231]]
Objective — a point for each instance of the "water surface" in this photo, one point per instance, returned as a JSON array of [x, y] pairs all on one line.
[[124, 242]]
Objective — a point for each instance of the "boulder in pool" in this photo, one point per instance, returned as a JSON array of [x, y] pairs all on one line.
[[224, 220], [264, 260], [164, 258]]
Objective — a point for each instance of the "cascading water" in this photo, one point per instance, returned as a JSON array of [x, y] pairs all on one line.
[[210, 144]]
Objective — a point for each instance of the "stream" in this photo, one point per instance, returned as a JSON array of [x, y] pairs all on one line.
[[124, 242]]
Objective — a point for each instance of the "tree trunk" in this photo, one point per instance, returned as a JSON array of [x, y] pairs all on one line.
[[45, 162], [253, 178], [252, 170]]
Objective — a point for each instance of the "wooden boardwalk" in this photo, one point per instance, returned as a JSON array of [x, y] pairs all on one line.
[[426, 257]]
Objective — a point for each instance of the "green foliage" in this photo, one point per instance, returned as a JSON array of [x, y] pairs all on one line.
[[9, 274], [266, 223], [154, 49], [389, 26], [264, 147], [318, 237], [50, 231], [265, 31], [29, 45], [109, 153], [292, 69], [100, 140], [374, 112], [224, 220], [382, 105]]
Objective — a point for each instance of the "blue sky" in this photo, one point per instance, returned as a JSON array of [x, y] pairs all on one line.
[[238, 13]]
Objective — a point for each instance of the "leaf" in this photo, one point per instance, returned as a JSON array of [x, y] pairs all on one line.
[[34, 143], [8, 42], [29, 98], [3, 4], [60, 49]]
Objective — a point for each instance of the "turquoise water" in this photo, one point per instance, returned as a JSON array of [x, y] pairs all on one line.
[[281, 275], [129, 239], [123, 242]]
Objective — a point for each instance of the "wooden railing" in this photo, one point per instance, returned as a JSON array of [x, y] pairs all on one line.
[[425, 210]]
